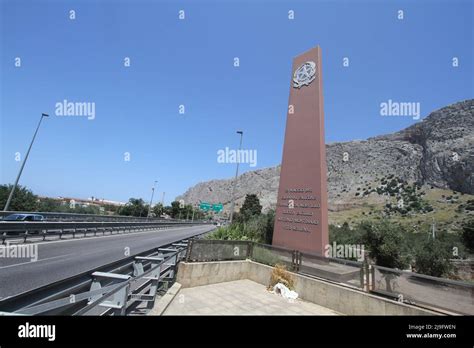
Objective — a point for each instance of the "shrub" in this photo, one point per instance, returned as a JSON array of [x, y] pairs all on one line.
[[432, 258], [281, 275], [258, 228], [385, 242], [344, 235], [467, 235]]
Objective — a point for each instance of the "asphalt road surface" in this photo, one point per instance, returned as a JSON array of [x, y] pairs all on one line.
[[61, 259]]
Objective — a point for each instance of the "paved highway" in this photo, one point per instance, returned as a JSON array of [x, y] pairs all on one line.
[[64, 258]]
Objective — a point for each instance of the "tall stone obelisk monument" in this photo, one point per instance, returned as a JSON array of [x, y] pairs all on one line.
[[301, 220]]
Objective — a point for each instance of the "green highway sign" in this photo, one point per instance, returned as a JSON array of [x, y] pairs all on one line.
[[205, 206], [214, 207], [217, 207]]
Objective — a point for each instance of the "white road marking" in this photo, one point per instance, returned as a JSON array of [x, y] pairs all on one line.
[[33, 262]]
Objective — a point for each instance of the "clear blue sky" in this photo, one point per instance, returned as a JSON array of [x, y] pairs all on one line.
[[190, 62]]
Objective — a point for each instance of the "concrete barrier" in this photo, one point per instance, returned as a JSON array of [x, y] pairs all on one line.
[[204, 273], [327, 294]]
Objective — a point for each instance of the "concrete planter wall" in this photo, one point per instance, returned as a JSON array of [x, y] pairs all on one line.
[[338, 298]]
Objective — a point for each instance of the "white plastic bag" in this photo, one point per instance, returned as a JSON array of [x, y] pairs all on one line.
[[285, 292]]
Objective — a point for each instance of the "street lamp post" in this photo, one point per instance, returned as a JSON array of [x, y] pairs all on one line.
[[151, 199], [23, 164], [232, 205]]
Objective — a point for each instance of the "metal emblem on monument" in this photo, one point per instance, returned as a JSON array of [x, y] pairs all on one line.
[[305, 74]]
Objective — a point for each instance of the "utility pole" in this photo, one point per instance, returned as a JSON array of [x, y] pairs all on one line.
[[232, 205], [151, 200], [23, 164]]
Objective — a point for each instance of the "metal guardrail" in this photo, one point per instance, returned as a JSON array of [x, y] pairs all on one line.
[[406, 287], [25, 230], [119, 288], [53, 216]]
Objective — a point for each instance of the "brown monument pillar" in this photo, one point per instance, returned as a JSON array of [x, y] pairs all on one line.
[[301, 220]]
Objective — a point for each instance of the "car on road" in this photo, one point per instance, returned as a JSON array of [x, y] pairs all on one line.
[[24, 217]]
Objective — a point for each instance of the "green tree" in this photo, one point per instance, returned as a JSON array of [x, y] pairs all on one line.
[[250, 208], [385, 243], [467, 235], [158, 210], [270, 216], [345, 235], [23, 199], [85, 210], [187, 212], [198, 214], [49, 205], [175, 210], [111, 208], [134, 207], [432, 258], [168, 210]]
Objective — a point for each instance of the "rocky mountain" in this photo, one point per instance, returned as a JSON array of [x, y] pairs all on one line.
[[438, 151]]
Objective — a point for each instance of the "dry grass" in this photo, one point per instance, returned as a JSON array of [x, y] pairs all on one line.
[[281, 275]]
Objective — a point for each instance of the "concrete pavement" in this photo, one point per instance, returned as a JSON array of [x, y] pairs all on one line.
[[239, 297]]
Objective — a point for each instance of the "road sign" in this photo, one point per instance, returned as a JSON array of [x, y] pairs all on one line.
[[217, 207], [205, 206]]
